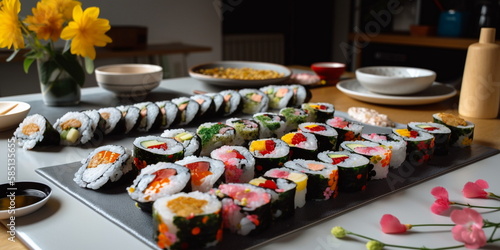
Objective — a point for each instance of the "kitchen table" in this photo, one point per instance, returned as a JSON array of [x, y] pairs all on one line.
[[66, 223]]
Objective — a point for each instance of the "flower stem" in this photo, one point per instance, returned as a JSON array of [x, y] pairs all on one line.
[[406, 247], [474, 206], [432, 225], [493, 196]]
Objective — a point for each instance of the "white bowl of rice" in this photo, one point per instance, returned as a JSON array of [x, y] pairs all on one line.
[[129, 79]]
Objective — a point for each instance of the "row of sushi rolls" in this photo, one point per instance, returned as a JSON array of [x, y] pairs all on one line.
[[242, 174]]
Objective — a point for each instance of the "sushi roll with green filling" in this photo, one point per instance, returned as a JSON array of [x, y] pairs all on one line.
[[354, 169], [395, 143], [36, 131], [300, 180], [190, 140], [207, 105], [214, 135], [132, 116], [189, 109], [419, 145], [158, 180], [115, 124], [302, 145], [319, 111], [104, 165], [75, 128], [462, 131], [169, 113], [326, 135], [271, 124], [246, 130], [233, 102], [379, 156], [269, 153], [322, 178], [150, 116], [239, 164], [301, 95], [98, 123], [440, 132], [187, 221], [282, 193], [280, 96], [205, 171], [246, 209], [153, 149], [254, 101], [293, 117], [346, 130], [219, 103]]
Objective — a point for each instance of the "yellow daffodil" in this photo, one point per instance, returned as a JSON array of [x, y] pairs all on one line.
[[86, 31], [65, 7], [46, 22], [10, 26]]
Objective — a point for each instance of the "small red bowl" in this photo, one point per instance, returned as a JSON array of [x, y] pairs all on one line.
[[329, 72]]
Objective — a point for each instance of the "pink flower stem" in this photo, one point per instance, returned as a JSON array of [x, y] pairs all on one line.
[[493, 196]]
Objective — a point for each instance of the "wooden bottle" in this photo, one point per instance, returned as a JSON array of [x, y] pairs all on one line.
[[480, 92]]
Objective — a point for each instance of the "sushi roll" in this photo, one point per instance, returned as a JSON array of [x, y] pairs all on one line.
[[299, 178], [98, 123], [280, 96], [326, 135], [233, 102], [115, 124], [150, 116], [293, 117], [207, 105], [214, 135], [282, 193], [105, 164], [74, 128], [218, 101], [322, 178], [419, 145], [187, 221], [190, 140], [302, 145], [269, 153], [239, 164], [158, 180], [301, 95], [132, 116], [205, 172], [319, 111], [395, 143], [169, 113], [245, 208], [246, 130], [153, 149], [189, 109], [462, 131], [346, 130], [254, 101], [271, 124], [36, 131], [354, 169], [440, 132], [379, 156]]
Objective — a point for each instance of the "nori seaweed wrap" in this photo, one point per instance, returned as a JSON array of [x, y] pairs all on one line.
[[36, 131]]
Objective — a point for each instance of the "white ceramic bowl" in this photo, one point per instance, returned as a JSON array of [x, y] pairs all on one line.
[[14, 116], [129, 79], [30, 196], [395, 80]]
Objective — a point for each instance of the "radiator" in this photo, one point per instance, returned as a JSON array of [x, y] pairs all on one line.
[[254, 47]]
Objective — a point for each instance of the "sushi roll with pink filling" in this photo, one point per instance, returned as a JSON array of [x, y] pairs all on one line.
[[395, 143], [347, 130], [322, 178], [379, 156], [239, 163], [300, 179], [205, 171], [282, 193], [326, 135]]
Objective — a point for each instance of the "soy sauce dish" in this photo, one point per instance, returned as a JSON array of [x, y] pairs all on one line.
[[22, 198]]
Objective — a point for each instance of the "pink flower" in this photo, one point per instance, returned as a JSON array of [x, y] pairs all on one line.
[[475, 189], [391, 225], [468, 228], [442, 202]]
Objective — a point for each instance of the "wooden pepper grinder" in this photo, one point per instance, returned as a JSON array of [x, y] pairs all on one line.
[[480, 92]]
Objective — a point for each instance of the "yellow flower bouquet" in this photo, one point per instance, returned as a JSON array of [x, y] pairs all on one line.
[[60, 70]]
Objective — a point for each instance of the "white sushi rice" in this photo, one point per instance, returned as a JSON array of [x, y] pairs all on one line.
[[281, 149], [395, 143], [225, 136], [190, 146], [206, 103], [299, 94], [216, 170], [300, 193], [190, 112], [152, 112], [277, 121], [246, 129], [247, 164], [29, 141], [85, 130], [94, 115], [172, 145], [310, 143], [112, 116], [218, 100], [277, 102], [376, 153], [337, 122], [301, 166], [250, 106], [329, 131], [132, 115], [353, 160], [234, 101], [441, 129]]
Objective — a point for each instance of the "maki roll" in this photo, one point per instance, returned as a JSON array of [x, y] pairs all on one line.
[[190, 140], [189, 109], [419, 145], [282, 193], [158, 180], [36, 131], [115, 124], [218, 101], [246, 130], [301, 95], [214, 135], [169, 113], [132, 116], [319, 111], [105, 164], [233, 102], [346, 130], [293, 117], [270, 124], [205, 171], [395, 143], [462, 131], [379, 156], [302, 145], [326, 135], [440, 132], [152, 149], [150, 118], [254, 101], [245, 208], [187, 221], [354, 169], [322, 178], [74, 128], [98, 123], [239, 164], [269, 153], [280, 96], [299, 178], [207, 105]]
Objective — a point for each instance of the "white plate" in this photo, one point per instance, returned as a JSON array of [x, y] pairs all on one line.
[[436, 93], [234, 83], [37, 192]]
